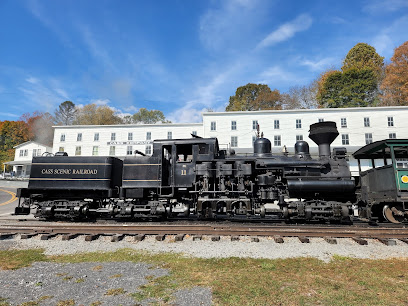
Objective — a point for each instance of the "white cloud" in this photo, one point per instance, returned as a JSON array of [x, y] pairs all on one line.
[[381, 6], [222, 28], [100, 101], [276, 74], [9, 115], [391, 37], [287, 31], [320, 64], [32, 80]]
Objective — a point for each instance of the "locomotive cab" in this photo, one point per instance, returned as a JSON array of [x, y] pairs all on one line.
[[383, 188]]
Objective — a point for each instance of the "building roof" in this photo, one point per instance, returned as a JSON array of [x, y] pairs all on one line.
[[28, 142], [381, 149], [129, 125], [317, 110]]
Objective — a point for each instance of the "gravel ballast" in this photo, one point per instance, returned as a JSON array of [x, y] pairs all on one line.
[[206, 248], [108, 283]]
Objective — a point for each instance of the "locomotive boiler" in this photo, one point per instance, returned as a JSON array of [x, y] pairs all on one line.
[[194, 178]]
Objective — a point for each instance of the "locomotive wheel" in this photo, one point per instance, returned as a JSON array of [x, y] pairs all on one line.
[[393, 214]]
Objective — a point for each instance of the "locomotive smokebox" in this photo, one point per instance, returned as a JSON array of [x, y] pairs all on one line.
[[323, 134], [262, 146]]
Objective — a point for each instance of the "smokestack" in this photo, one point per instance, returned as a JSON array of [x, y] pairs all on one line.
[[323, 134]]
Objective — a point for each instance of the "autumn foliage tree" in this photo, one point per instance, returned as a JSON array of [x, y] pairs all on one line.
[[253, 97], [149, 116], [92, 114], [395, 84], [12, 133], [357, 84]]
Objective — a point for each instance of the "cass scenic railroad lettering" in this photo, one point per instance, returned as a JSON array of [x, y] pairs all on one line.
[[69, 171]]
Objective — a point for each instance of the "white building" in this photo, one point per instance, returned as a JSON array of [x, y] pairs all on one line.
[[357, 127], [23, 156], [117, 140]]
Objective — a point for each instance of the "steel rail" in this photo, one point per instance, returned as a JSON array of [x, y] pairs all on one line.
[[221, 230]]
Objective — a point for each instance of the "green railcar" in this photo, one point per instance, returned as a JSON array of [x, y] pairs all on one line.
[[383, 188]]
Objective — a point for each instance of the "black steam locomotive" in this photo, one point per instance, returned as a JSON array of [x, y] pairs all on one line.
[[192, 177]]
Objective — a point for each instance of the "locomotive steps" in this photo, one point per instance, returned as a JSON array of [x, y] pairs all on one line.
[[212, 232]]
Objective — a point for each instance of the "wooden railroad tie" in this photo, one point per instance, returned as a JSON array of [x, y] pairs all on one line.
[[48, 236], [117, 237], [304, 239], [278, 239], [27, 236], [160, 237], [386, 241], [360, 241], [69, 236], [180, 237], [140, 237], [234, 238], [330, 240], [197, 237], [91, 237]]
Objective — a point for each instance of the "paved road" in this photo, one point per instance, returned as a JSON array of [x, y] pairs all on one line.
[[8, 200]]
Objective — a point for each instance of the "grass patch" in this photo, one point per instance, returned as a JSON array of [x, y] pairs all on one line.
[[244, 281], [66, 303], [117, 291], [15, 259]]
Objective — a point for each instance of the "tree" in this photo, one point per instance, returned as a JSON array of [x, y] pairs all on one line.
[[352, 88], [364, 56], [252, 97], [65, 114], [91, 114], [299, 97], [149, 116], [12, 133], [395, 84]]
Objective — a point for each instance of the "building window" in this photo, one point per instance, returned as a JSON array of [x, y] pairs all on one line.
[[112, 150], [343, 122], [36, 152], [392, 135], [148, 150], [299, 137], [79, 137], [148, 135], [234, 141], [277, 141], [169, 135], [130, 136], [77, 151], [194, 133], [254, 124], [113, 136], [26, 152], [95, 150], [213, 126], [61, 149], [62, 138], [298, 123], [320, 120], [21, 153], [96, 137], [129, 150], [233, 125], [368, 138], [345, 139], [276, 124], [390, 121], [366, 122]]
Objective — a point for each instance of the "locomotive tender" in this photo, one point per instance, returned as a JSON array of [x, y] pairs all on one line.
[[193, 177]]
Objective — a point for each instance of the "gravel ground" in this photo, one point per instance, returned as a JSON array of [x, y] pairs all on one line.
[[87, 283], [206, 248]]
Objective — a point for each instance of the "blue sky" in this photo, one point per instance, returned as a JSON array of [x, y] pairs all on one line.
[[179, 56]]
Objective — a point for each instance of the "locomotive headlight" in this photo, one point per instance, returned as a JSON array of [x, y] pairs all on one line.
[[404, 179]]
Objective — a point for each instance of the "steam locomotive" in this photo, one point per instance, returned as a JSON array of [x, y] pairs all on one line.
[[194, 178]]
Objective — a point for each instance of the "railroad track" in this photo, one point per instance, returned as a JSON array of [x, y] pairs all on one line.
[[359, 234]]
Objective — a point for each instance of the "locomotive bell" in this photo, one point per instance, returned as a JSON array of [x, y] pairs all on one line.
[[262, 146], [323, 134], [302, 149]]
